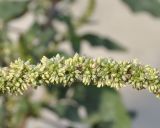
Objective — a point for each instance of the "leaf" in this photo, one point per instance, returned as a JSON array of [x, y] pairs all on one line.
[[25, 108], [84, 18], [39, 38], [73, 36], [75, 45], [150, 6], [112, 109], [12, 9], [43, 34], [104, 106], [1, 114], [96, 40]]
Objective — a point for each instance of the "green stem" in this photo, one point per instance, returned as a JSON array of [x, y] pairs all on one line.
[[4, 121]]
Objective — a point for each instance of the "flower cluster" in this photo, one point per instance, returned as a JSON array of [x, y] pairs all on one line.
[[20, 75]]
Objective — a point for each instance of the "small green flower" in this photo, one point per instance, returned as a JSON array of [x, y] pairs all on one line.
[[20, 75]]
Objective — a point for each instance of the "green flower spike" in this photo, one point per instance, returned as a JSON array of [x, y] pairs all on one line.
[[20, 75]]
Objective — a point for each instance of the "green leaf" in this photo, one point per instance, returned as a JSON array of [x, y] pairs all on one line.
[[37, 37], [74, 39], [75, 45], [73, 36], [44, 34], [150, 6], [96, 40], [1, 114], [84, 18], [12, 9], [24, 109], [104, 107], [112, 109]]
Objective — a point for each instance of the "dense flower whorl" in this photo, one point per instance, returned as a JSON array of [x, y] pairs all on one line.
[[20, 75]]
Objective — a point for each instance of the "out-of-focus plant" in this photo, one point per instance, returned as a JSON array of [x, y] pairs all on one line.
[[103, 107], [151, 7]]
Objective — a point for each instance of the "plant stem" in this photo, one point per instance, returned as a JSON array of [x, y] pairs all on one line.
[[4, 121]]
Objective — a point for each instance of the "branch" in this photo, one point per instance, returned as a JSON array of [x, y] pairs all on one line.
[[100, 72]]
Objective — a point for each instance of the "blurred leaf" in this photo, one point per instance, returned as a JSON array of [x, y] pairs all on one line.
[[73, 37], [12, 9], [69, 112], [103, 124], [43, 34], [87, 13], [39, 38], [7, 52], [1, 114], [150, 6], [67, 109], [52, 53], [90, 95], [71, 34], [96, 40], [132, 114], [75, 42], [112, 109], [103, 105], [25, 108]]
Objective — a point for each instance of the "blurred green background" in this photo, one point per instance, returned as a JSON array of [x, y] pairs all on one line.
[[54, 24]]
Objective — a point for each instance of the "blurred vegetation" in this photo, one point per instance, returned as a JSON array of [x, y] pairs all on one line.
[[103, 108], [150, 6]]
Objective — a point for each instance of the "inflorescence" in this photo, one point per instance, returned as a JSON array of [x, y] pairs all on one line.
[[100, 72]]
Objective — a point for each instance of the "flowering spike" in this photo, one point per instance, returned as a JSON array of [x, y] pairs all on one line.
[[20, 75]]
